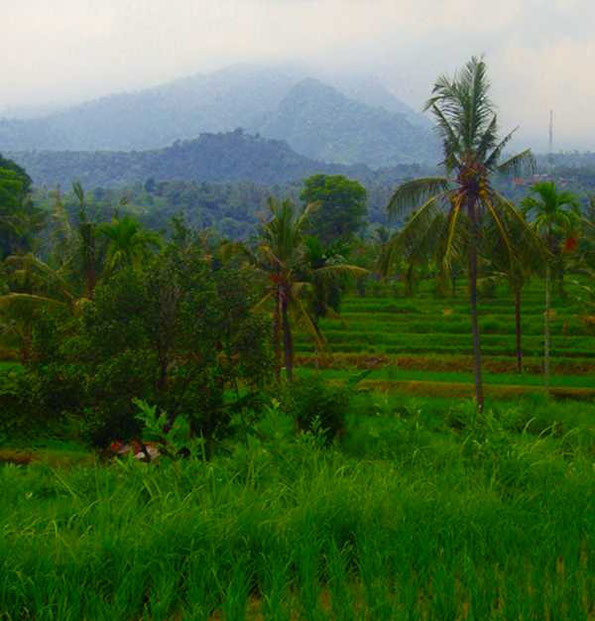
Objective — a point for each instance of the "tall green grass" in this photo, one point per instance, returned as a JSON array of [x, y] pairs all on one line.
[[424, 510]]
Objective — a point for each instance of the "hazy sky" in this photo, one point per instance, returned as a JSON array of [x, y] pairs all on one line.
[[540, 52]]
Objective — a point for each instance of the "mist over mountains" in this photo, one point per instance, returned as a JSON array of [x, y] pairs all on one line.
[[359, 122]]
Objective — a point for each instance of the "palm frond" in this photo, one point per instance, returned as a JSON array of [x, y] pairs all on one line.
[[51, 279], [449, 250], [408, 237], [340, 269], [9, 299], [475, 87], [412, 194], [305, 320], [517, 164], [529, 242], [450, 139], [503, 235], [263, 302], [489, 137]]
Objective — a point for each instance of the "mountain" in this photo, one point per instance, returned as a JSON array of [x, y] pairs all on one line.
[[156, 117], [320, 122], [365, 123], [233, 156], [369, 90]]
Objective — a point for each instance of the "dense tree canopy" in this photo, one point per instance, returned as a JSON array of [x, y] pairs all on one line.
[[18, 219], [342, 206]]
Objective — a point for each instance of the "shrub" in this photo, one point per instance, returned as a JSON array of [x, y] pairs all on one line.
[[33, 401], [317, 406]]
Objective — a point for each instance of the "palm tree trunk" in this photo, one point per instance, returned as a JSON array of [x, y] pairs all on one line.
[[546, 327], [561, 290], [90, 275], [517, 321], [162, 362], [409, 278], [277, 333], [287, 338], [472, 211]]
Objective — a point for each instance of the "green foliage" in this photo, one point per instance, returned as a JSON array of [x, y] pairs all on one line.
[[317, 406], [128, 244], [341, 206], [175, 439], [20, 221], [177, 331]]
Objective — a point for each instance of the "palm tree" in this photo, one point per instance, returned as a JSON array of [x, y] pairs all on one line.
[[281, 255], [87, 231], [454, 205], [515, 268], [555, 216], [34, 286], [128, 243]]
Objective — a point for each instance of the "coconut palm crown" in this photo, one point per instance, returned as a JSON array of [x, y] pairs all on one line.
[[554, 215], [448, 212]]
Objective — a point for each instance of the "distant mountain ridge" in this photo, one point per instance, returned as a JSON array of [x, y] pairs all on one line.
[[233, 156], [360, 122]]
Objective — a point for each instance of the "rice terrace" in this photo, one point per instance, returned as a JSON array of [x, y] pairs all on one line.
[[239, 383]]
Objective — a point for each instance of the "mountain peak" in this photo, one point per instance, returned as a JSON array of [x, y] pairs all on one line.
[[316, 118]]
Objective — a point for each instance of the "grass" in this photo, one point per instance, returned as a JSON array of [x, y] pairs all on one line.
[[52, 452], [424, 510], [427, 339], [7, 366], [393, 373]]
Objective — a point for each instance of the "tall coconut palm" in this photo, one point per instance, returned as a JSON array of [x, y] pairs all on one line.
[[556, 217], [457, 203], [281, 255]]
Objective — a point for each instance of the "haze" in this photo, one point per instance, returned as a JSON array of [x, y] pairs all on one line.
[[539, 52]]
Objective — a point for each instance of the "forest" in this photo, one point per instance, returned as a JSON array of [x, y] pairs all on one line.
[[336, 397]]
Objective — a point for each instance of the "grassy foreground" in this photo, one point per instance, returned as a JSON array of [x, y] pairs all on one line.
[[422, 510]]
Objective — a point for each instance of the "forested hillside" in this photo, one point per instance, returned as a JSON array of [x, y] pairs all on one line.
[[234, 156]]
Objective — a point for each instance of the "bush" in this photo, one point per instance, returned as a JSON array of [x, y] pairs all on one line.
[[36, 401], [317, 406]]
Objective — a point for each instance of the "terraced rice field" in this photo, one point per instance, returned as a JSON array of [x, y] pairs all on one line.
[[427, 339]]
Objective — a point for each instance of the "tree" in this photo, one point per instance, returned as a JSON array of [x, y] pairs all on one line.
[[281, 256], [556, 217], [342, 206], [515, 268], [326, 286], [19, 219], [456, 204], [179, 331], [128, 243]]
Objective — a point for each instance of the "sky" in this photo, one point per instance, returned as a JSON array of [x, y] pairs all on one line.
[[540, 53]]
